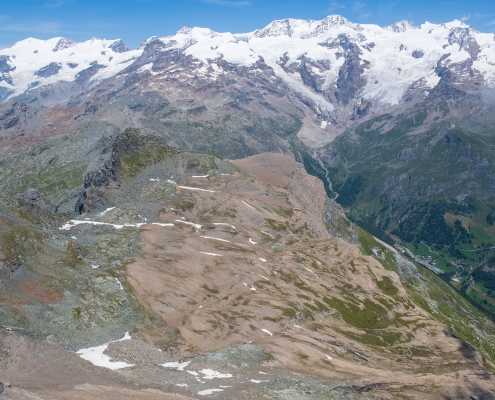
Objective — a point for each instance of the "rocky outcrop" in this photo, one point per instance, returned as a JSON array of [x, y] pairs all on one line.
[[64, 43], [5, 68], [84, 76], [351, 79], [119, 47], [49, 70], [466, 41]]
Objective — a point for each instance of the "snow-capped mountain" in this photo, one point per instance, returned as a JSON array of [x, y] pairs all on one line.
[[397, 55], [342, 70], [33, 63]]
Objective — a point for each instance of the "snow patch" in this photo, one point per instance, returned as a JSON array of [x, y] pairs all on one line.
[[307, 269], [178, 365], [223, 223], [211, 254], [213, 238], [73, 222], [208, 391], [267, 331], [264, 277], [120, 284], [95, 355], [107, 210], [211, 374], [250, 206], [197, 226]]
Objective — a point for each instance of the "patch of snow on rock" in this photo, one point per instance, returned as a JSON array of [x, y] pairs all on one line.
[[96, 357]]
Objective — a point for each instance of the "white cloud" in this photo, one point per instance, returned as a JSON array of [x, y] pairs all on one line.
[[466, 17], [491, 22]]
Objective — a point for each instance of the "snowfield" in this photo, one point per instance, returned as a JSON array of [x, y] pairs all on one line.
[[396, 56]]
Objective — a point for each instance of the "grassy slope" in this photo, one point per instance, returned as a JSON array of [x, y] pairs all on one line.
[[392, 171]]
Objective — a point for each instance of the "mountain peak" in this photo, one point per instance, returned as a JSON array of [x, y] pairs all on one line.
[[118, 46], [283, 27], [401, 26], [303, 28], [64, 43]]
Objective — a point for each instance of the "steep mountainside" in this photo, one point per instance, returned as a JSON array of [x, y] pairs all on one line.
[[155, 191], [232, 277]]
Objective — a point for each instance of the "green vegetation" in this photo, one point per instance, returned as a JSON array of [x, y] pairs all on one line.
[[371, 316], [276, 225], [415, 178], [55, 180]]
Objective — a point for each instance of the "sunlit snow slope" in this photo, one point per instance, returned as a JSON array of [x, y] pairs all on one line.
[[333, 62]]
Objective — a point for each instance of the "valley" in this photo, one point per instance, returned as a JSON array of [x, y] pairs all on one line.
[[219, 215]]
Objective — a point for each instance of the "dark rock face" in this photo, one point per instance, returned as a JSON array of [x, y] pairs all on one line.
[[7, 269], [4, 93], [33, 196], [118, 46], [85, 75], [10, 114], [305, 69], [5, 68], [64, 43], [350, 79], [72, 65], [5, 64], [49, 70], [158, 53], [93, 199], [418, 53], [466, 41]]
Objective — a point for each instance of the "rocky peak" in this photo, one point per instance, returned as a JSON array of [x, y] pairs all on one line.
[[277, 28], [331, 22], [466, 40], [118, 46], [400, 26], [64, 43], [184, 31]]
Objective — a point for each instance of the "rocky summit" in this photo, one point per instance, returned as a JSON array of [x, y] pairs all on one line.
[[300, 212]]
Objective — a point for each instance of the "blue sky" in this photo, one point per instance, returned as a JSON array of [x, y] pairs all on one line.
[[136, 20]]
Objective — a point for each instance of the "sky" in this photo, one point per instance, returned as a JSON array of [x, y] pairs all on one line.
[[134, 21]]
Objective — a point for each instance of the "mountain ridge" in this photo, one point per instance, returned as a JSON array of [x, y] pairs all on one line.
[[194, 147]]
